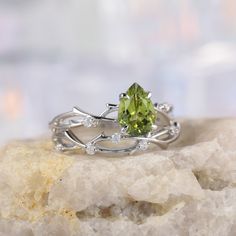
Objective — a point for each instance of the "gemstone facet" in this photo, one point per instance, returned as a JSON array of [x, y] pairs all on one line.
[[115, 138], [136, 111], [89, 121], [143, 145], [90, 149]]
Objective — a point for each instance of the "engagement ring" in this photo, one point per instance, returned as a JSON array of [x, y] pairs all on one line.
[[138, 123]]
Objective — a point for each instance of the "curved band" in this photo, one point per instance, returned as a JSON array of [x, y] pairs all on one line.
[[65, 131]]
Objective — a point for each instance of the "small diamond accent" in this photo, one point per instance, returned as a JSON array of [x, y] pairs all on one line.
[[174, 130], [90, 149], [165, 107], [124, 130], [89, 121], [115, 138], [59, 147], [143, 145]]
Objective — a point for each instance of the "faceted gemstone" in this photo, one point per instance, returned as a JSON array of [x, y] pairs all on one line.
[[174, 130], [90, 149], [89, 121], [136, 111], [115, 138], [143, 145]]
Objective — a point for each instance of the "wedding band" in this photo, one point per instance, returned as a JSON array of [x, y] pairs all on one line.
[[138, 123]]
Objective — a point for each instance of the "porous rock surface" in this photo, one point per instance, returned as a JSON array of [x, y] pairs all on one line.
[[188, 189]]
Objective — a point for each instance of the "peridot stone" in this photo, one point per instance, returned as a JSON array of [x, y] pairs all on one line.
[[136, 111]]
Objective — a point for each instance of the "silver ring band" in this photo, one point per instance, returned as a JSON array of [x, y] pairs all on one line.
[[110, 137]]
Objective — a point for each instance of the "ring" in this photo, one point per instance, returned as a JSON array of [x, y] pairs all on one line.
[[138, 124]]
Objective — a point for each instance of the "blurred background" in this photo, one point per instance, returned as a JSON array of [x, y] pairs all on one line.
[[55, 54]]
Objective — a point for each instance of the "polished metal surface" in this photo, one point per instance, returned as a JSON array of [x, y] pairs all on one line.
[[66, 133]]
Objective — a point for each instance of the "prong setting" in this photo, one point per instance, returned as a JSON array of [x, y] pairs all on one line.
[[165, 107], [124, 130], [123, 95]]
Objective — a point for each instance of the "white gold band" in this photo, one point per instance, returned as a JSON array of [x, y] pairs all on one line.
[[66, 133]]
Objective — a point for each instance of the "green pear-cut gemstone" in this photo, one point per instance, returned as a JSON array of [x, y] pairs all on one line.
[[136, 111]]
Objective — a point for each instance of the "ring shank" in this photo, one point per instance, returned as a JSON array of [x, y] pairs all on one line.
[[66, 129]]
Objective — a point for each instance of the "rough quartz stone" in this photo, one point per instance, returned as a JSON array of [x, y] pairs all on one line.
[[186, 190]]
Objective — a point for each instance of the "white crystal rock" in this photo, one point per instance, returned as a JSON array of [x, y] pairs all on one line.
[[186, 190]]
